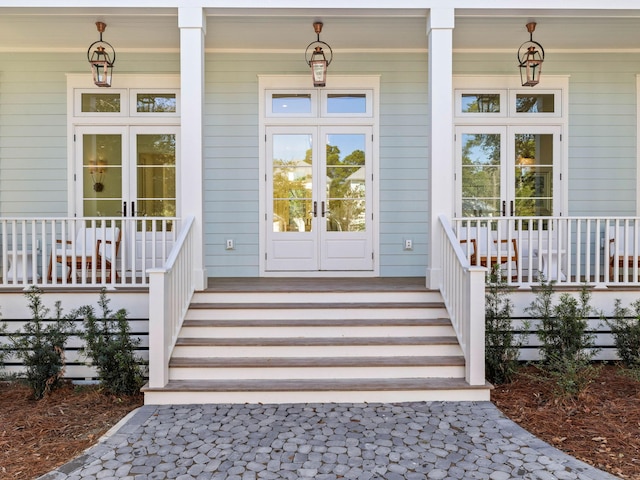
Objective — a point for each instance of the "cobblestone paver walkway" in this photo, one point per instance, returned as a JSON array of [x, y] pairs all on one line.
[[432, 440]]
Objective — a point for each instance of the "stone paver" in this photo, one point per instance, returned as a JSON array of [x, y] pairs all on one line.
[[408, 441]]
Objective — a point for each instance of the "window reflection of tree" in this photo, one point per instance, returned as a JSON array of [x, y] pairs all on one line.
[[345, 190], [481, 176], [291, 195]]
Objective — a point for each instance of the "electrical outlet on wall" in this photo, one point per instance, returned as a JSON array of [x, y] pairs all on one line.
[[408, 244], [230, 244]]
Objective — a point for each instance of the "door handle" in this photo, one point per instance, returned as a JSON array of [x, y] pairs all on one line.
[[124, 209], [323, 210], [511, 208], [504, 208], [315, 209]]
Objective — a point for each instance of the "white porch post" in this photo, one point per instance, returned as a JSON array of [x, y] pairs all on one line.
[[192, 24], [441, 198]]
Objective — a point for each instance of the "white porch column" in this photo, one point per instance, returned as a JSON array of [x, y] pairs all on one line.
[[441, 161], [192, 24]]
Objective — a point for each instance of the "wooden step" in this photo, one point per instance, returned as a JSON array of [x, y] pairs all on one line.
[[352, 390], [316, 328], [348, 322], [279, 368], [279, 362], [314, 342], [313, 306]]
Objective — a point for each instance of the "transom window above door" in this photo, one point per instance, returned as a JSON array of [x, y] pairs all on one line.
[[514, 103], [314, 103], [127, 102]]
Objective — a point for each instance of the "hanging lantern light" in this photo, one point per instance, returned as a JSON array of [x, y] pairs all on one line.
[[530, 58], [317, 60], [101, 56]]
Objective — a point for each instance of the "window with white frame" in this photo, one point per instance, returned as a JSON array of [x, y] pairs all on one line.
[[510, 143]]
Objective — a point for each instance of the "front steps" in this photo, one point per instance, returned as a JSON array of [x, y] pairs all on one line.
[[316, 346]]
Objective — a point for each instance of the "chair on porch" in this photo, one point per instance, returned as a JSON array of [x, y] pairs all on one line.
[[93, 248], [624, 250], [475, 241]]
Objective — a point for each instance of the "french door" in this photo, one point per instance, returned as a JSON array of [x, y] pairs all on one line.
[[508, 171], [318, 205], [126, 171]]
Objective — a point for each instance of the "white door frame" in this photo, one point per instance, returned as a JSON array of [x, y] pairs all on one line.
[[320, 118]]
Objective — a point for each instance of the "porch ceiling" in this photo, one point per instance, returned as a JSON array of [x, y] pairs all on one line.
[[136, 29]]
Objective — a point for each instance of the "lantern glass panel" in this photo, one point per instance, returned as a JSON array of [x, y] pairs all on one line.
[[319, 71]]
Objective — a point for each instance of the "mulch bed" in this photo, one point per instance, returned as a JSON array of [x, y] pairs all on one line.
[[601, 427], [38, 436]]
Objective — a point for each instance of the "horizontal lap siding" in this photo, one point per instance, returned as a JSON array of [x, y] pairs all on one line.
[[602, 132], [232, 151], [602, 163], [33, 125]]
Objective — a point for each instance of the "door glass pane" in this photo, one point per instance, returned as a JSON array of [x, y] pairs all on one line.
[[534, 174], [346, 186], [156, 175], [540, 103], [100, 102], [481, 174], [292, 183], [102, 175], [480, 103]]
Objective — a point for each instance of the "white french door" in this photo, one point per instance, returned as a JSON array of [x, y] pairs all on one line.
[[318, 205], [508, 171], [126, 171]]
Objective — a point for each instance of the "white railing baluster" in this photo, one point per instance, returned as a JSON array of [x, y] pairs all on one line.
[[567, 250], [82, 251]]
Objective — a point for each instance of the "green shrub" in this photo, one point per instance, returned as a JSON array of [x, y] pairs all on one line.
[[567, 347], [40, 345], [109, 346], [626, 333], [4, 350], [502, 343], [563, 327]]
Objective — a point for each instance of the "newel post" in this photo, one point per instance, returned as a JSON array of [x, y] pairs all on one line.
[[158, 328], [475, 374]]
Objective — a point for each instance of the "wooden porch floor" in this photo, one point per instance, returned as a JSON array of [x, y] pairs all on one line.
[[291, 284]]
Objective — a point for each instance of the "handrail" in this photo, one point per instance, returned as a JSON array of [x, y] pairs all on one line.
[[462, 288], [171, 289]]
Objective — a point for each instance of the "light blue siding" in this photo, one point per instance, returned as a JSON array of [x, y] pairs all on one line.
[[33, 125], [232, 163], [602, 163]]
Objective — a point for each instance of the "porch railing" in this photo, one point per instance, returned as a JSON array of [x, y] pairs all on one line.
[[170, 291], [603, 251], [462, 288], [83, 251]]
